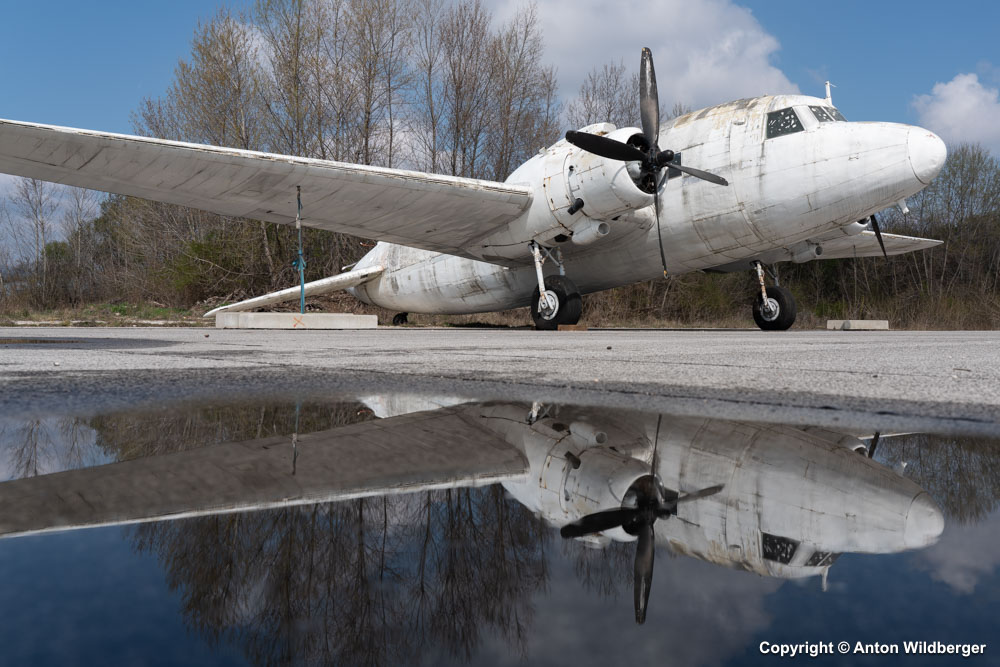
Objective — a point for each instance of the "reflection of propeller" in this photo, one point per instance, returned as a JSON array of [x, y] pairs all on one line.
[[644, 502], [651, 159], [873, 445]]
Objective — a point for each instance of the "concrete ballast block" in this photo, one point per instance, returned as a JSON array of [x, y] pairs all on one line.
[[294, 321], [858, 325]]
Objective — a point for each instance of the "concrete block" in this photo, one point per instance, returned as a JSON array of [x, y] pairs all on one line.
[[294, 321], [858, 325]]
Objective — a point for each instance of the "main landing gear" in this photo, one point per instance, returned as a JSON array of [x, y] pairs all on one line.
[[774, 307], [556, 300]]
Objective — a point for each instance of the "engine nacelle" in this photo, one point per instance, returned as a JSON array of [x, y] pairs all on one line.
[[605, 186]]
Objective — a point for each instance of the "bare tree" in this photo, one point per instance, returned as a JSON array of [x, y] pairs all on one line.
[[609, 94], [81, 208], [37, 203]]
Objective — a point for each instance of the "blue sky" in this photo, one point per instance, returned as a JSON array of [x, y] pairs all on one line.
[[89, 65]]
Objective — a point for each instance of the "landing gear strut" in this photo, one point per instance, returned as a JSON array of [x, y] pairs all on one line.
[[774, 307], [556, 300]]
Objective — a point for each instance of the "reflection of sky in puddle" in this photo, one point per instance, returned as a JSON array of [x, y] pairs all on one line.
[[481, 574]]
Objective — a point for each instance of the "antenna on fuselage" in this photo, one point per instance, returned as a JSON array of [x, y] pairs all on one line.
[[829, 97]]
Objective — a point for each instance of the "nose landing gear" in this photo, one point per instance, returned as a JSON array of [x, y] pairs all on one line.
[[556, 300], [774, 307]]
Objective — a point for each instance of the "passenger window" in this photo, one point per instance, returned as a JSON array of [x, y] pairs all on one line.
[[778, 549], [782, 122]]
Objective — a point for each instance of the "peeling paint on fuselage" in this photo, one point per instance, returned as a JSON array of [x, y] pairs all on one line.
[[783, 191]]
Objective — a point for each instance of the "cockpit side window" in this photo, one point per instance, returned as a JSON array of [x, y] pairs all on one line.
[[827, 114], [822, 559], [779, 549], [782, 122]]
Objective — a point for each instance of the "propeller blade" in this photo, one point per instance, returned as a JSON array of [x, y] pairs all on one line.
[[873, 445], [649, 102], [663, 257], [644, 552], [704, 493], [669, 507], [597, 522], [878, 235], [607, 148], [698, 173]]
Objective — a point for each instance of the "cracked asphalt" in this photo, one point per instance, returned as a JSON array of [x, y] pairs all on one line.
[[948, 381]]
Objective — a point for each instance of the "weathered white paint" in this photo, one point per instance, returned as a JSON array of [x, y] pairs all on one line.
[[795, 197], [789, 197]]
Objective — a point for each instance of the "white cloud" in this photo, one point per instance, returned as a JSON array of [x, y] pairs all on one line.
[[962, 109], [964, 555], [705, 52]]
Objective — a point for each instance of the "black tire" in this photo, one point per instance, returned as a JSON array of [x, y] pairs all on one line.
[[570, 303], [785, 316], [399, 319]]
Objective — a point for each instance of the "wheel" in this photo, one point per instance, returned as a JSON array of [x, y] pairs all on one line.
[[781, 316], [399, 319], [569, 304]]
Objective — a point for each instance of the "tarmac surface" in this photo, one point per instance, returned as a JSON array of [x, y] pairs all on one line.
[[945, 381]]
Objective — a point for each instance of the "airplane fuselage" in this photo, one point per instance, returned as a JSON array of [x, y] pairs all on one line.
[[791, 189]]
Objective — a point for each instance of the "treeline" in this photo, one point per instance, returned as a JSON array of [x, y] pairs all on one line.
[[447, 88], [423, 84]]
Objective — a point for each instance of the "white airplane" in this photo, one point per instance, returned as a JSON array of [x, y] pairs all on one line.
[[789, 180], [779, 501]]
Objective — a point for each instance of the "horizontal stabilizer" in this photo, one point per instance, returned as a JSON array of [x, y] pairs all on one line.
[[315, 288]]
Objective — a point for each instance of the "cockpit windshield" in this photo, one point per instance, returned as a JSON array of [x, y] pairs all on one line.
[[777, 548], [827, 114], [782, 122]]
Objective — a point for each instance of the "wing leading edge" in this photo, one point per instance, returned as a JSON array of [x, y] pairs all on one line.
[[441, 213]]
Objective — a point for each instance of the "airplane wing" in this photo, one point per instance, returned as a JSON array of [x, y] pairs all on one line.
[[441, 213], [866, 245], [444, 448], [841, 246]]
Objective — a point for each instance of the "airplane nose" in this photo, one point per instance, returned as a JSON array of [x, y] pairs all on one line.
[[927, 153], [924, 522]]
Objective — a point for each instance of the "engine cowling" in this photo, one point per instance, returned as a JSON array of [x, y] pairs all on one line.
[[605, 186]]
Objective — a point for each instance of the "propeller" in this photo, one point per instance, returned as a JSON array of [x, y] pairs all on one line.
[[645, 501], [873, 445], [878, 234], [651, 159]]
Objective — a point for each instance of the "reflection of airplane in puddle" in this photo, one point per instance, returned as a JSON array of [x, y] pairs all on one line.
[[776, 500]]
